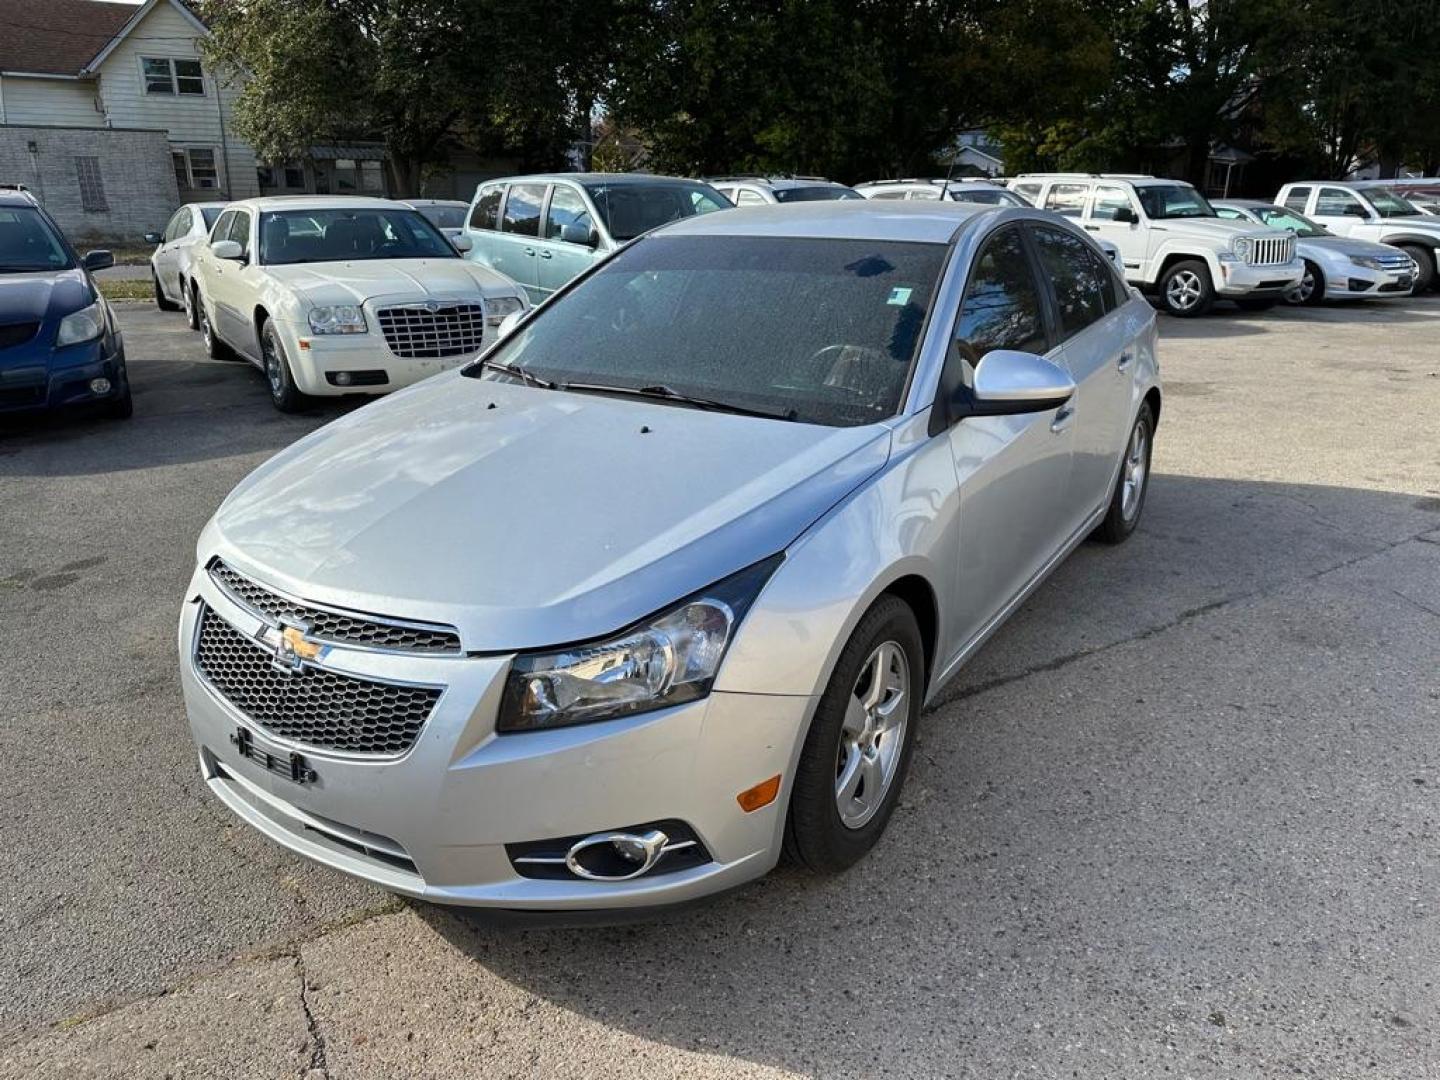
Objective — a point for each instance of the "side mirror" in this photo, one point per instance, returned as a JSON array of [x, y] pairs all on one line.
[[153, 238], [98, 260], [462, 243], [1125, 215], [228, 249], [508, 324], [1009, 382], [579, 234]]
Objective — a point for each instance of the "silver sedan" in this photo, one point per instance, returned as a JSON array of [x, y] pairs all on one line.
[[656, 590]]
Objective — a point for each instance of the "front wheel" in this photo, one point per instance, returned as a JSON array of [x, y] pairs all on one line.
[[1128, 498], [1186, 289], [1424, 261], [284, 394], [1310, 289], [858, 748]]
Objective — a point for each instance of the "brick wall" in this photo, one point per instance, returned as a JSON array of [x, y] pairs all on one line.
[[136, 180]]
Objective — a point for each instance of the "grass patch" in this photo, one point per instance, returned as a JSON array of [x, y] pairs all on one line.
[[126, 289]]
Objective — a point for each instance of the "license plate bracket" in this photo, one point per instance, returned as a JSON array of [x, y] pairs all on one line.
[[291, 765]]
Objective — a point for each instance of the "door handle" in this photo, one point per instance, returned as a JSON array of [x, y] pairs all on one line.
[[546, 255], [1063, 416], [1126, 358], [1093, 228], [529, 251]]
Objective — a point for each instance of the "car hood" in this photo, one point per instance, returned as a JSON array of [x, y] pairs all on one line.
[[34, 297], [1216, 228], [407, 279], [1344, 245], [528, 517]]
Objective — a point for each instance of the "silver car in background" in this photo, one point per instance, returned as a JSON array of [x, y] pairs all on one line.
[[173, 260], [1336, 267], [656, 589], [447, 215]]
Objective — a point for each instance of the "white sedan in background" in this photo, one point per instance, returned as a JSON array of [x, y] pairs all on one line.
[[174, 255], [342, 295]]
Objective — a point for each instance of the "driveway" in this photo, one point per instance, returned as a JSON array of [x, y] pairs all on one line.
[[1178, 818]]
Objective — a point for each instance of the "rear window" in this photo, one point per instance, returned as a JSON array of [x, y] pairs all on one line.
[[818, 193], [629, 210], [444, 217]]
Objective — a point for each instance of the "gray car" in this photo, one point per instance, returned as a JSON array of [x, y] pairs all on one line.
[[758, 190], [173, 260], [542, 230], [656, 589], [1336, 267]]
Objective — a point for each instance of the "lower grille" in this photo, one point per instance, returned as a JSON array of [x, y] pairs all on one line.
[[416, 331], [314, 707], [17, 334]]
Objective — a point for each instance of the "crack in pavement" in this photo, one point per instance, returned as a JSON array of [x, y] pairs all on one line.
[[1183, 617], [318, 1065]]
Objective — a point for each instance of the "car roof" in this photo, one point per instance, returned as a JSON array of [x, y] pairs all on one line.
[[1248, 204], [435, 202], [318, 202], [11, 197], [616, 179], [781, 182], [841, 219]]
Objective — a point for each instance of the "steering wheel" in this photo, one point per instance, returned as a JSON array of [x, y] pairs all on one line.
[[830, 357]]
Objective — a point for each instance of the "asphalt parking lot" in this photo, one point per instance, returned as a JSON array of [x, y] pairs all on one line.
[[1179, 818]]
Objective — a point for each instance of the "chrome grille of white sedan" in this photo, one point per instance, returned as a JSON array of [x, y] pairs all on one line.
[[1271, 250], [434, 330]]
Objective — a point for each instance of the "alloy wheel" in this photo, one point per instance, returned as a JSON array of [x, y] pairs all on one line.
[[1137, 465], [1184, 290], [872, 735], [273, 371]]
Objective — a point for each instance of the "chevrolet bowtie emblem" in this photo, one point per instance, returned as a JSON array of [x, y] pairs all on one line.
[[292, 648]]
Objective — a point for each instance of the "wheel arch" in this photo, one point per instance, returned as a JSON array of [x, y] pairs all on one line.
[[919, 595], [1152, 398]]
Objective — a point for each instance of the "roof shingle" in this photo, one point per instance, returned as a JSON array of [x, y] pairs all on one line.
[[57, 37]]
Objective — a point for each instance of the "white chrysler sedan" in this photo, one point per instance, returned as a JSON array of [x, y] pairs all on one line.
[[656, 590], [342, 295]]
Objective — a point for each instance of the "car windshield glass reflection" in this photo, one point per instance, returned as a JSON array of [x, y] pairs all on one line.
[[1173, 201], [820, 193], [344, 235], [445, 217], [28, 243], [1300, 225], [1388, 205], [822, 331], [630, 210]]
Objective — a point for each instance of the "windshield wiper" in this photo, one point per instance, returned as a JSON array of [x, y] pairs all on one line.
[[521, 374], [660, 392]]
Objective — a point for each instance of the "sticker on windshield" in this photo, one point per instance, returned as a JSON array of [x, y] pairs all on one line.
[[899, 296]]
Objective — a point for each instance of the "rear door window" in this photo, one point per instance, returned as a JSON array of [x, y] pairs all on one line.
[[522, 209], [1067, 199], [746, 197]]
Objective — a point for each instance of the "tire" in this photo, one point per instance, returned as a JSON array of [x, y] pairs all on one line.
[[284, 394], [190, 293], [160, 301], [1186, 289], [215, 349], [1425, 276], [1127, 502], [847, 740], [1311, 290], [1254, 304]]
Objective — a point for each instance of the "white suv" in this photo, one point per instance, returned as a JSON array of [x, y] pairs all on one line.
[[1370, 211], [767, 190], [1171, 241], [343, 295]]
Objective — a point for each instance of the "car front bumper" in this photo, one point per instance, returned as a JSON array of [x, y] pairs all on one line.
[[433, 822], [1361, 282], [318, 361], [59, 378], [1258, 282]]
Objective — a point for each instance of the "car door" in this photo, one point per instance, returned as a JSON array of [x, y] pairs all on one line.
[[1098, 346], [513, 250], [1342, 212], [1011, 470], [1110, 201], [231, 294], [559, 258], [167, 257]]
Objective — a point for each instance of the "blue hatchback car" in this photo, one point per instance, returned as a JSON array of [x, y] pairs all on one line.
[[59, 345]]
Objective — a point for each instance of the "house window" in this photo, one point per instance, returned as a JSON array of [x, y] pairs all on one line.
[[92, 191], [294, 176], [195, 168], [352, 176], [164, 75], [265, 176]]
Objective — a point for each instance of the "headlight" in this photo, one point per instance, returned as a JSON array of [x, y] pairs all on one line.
[[337, 319], [497, 307], [1366, 261], [1242, 247], [665, 660], [87, 324]]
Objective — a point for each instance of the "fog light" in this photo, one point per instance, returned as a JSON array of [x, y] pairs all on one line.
[[630, 848], [99, 386], [342, 378]]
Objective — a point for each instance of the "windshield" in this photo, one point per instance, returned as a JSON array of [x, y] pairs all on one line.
[[818, 193], [818, 330], [211, 214], [632, 209], [1172, 201], [1389, 205], [1278, 218], [342, 235], [27, 242], [445, 217]]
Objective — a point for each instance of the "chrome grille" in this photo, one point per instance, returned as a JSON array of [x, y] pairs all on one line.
[[312, 706], [1399, 263], [338, 627], [1271, 250], [416, 331]]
